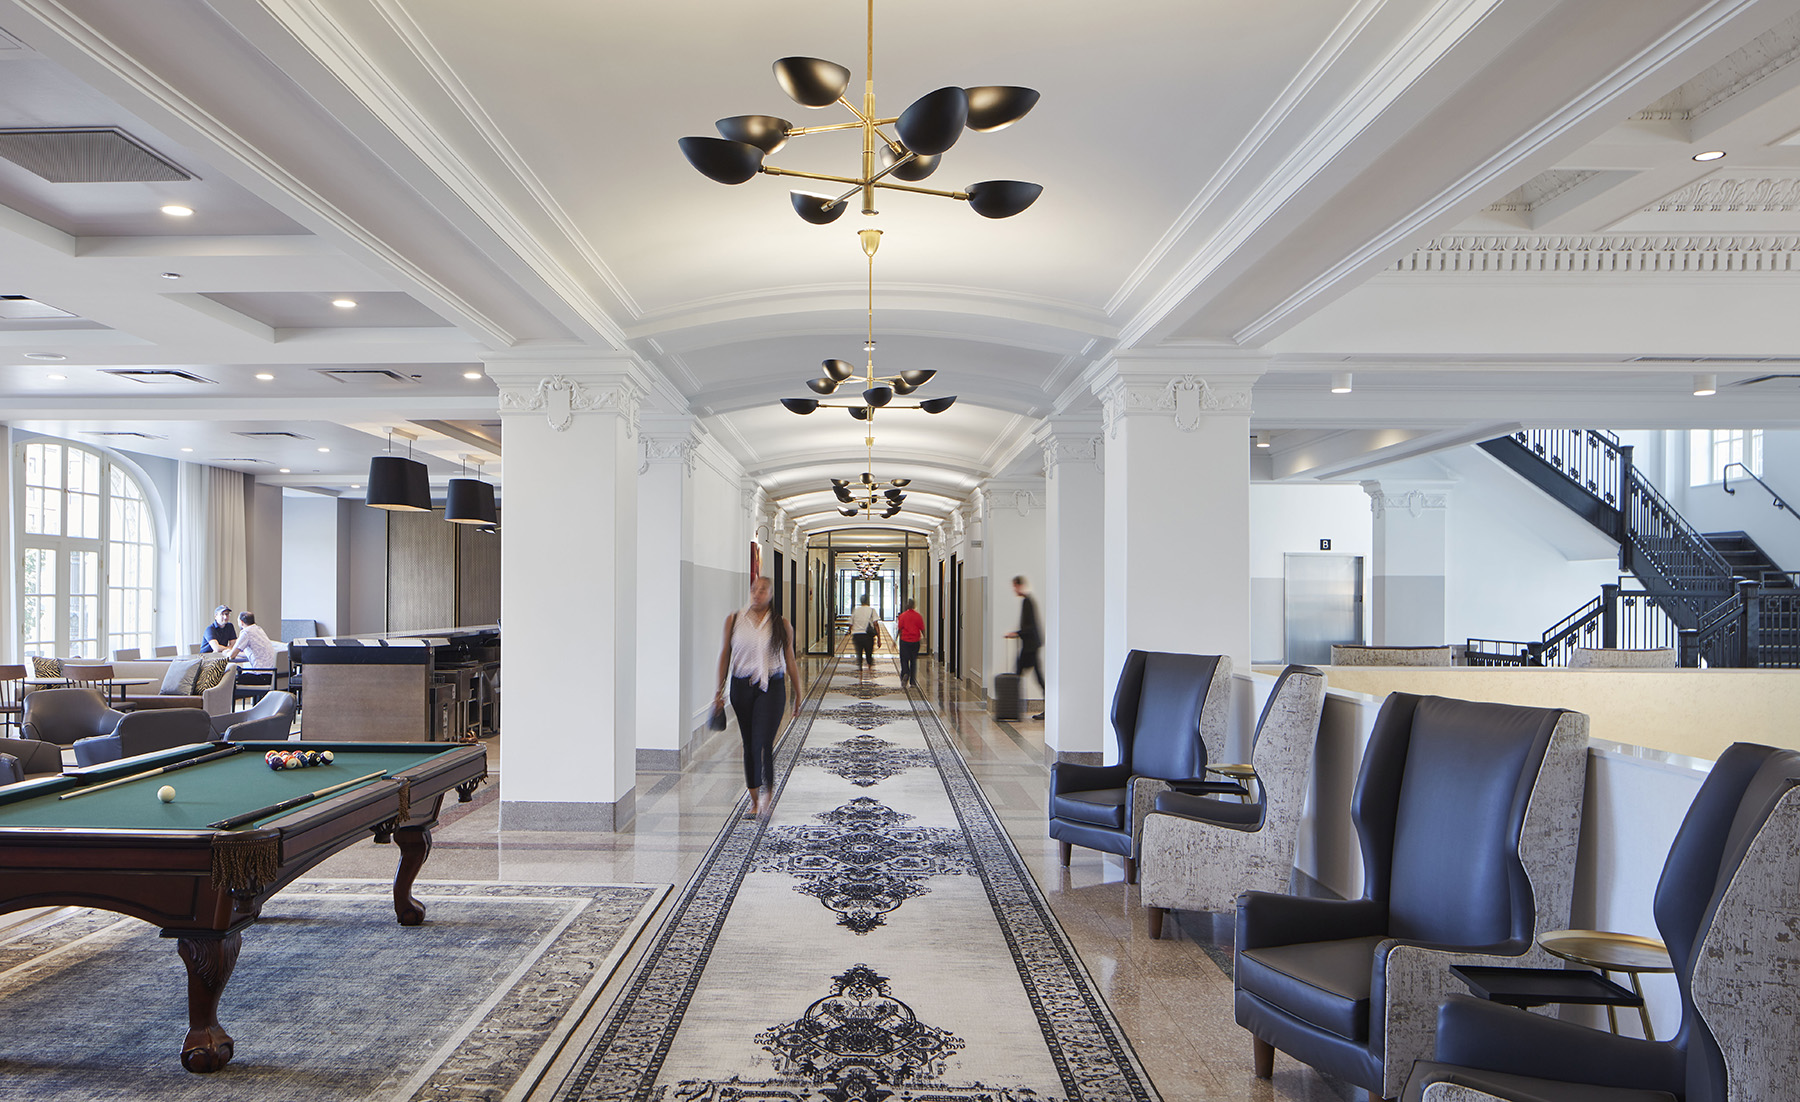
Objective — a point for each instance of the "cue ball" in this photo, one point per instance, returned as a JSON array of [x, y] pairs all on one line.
[[166, 794]]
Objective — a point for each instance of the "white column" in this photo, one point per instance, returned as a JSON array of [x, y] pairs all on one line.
[[1177, 544], [665, 554], [1014, 546], [978, 657], [1074, 597], [1406, 579], [568, 591]]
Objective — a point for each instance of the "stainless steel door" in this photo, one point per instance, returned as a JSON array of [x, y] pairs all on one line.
[[1324, 604]]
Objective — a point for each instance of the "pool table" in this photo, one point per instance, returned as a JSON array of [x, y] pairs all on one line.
[[124, 850]]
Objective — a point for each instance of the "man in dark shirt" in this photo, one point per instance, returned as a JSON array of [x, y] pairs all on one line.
[[220, 635], [1030, 637]]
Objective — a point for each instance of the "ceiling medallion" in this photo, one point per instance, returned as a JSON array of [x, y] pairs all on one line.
[[923, 132]]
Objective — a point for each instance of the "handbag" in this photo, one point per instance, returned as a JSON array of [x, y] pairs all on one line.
[[716, 721]]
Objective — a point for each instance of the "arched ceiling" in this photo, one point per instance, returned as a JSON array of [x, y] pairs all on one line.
[[1391, 186]]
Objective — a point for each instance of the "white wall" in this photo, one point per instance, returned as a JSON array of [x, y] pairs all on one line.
[[715, 580], [311, 554], [1014, 546], [1292, 518], [1710, 509]]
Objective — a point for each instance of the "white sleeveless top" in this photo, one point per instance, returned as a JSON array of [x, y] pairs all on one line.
[[753, 650]]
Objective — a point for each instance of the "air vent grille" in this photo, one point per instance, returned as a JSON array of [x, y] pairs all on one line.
[[235, 459], [111, 432], [271, 436], [155, 375], [366, 376], [1789, 380], [1716, 360], [87, 155], [22, 308]]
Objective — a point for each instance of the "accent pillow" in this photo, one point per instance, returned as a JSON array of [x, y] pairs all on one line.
[[46, 667], [179, 680], [212, 671]]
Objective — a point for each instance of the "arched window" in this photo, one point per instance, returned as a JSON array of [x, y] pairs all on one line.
[[87, 541]]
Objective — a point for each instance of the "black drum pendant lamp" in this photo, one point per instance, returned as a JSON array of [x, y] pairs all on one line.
[[399, 483], [470, 501], [921, 135]]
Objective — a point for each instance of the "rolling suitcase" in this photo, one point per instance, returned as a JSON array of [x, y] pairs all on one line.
[[1009, 701]]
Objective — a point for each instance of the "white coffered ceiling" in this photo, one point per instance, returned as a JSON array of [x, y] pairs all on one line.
[[1487, 209]]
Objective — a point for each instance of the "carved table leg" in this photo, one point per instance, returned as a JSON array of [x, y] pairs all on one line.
[[415, 846], [209, 963]]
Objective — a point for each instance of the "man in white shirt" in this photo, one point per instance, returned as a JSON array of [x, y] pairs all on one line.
[[254, 648], [862, 633]]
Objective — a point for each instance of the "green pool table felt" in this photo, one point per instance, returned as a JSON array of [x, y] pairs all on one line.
[[204, 793]]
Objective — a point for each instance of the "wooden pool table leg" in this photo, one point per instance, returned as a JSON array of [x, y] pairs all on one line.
[[209, 963], [415, 845]]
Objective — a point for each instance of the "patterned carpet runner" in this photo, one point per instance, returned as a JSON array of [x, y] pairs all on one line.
[[877, 940]]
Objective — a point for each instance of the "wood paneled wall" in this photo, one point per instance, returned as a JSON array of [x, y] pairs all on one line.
[[440, 575]]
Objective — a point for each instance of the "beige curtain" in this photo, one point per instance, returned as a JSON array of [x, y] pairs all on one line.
[[215, 560]]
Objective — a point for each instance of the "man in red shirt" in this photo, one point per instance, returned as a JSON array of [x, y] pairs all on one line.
[[911, 628]]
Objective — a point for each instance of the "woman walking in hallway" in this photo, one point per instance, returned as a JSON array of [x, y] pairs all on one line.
[[759, 656]]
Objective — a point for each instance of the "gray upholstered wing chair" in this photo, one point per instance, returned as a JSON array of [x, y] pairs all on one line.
[[1725, 907], [271, 720], [146, 733], [1468, 816], [1198, 852], [35, 757], [65, 716], [1169, 714]]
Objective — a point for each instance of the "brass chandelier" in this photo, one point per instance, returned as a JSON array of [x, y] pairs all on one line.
[[870, 495], [923, 132], [878, 390]]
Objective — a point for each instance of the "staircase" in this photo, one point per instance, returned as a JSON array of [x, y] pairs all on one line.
[[1725, 601]]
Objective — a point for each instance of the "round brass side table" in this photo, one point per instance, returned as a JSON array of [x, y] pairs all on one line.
[[1612, 952], [1239, 772]]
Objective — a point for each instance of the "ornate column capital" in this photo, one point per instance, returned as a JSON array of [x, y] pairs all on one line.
[[1072, 440], [1186, 388], [1024, 495], [563, 386], [1412, 497], [663, 439]]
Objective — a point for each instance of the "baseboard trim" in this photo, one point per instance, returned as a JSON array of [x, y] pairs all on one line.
[[575, 818]]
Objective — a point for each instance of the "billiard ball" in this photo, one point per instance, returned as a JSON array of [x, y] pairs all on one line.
[[325, 756], [166, 794]]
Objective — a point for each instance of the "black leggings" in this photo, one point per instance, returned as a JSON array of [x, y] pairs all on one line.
[[1028, 660], [759, 721], [865, 647]]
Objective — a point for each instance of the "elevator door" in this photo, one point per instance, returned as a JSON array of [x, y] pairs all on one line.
[[1324, 598]]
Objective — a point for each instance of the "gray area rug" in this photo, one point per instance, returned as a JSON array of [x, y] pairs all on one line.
[[331, 1000], [878, 940]]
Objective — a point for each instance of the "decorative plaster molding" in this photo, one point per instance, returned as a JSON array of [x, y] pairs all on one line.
[[561, 398], [1072, 448], [1023, 500], [1414, 502], [1188, 397], [669, 449], [1754, 193], [1541, 189], [1673, 253], [1762, 57]]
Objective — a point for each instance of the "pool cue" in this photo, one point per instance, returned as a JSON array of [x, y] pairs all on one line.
[[214, 756], [291, 802]]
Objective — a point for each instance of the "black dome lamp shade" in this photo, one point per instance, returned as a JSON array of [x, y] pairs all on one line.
[[811, 81], [937, 405], [765, 132], [822, 386], [839, 369], [722, 159], [934, 121], [470, 501], [801, 406], [820, 210], [398, 483], [1002, 198], [995, 107]]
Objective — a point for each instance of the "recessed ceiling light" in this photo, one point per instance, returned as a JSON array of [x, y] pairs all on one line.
[[45, 356], [176, 210], [171, 275], [187, 449], [59, 378], [356, 485], [1710, 155], [344, 303], [264, 376], [324, 449], [285, 470], [1706, 385], [471, 374], [1340, 383]]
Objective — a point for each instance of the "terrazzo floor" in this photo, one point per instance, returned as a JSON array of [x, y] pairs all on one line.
[[1170, 996]]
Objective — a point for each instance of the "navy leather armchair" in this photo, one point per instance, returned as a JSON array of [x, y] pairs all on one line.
[[1738, 833], [65, 716], [146, 733], [1468, 816], [1168, 717]]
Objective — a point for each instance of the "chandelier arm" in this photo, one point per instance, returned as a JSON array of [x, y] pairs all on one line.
[[919, 190], [861, 185], [800, 131], [774, 171]]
